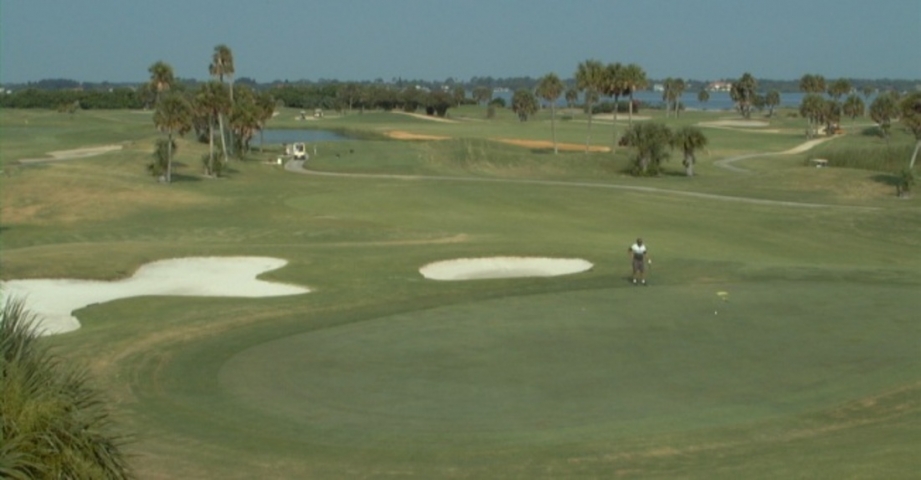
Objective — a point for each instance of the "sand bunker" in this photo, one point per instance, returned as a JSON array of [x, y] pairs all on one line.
[[736, 123], [503, 267], [548, 145], [402, 135], [60, 155], [54, 300]]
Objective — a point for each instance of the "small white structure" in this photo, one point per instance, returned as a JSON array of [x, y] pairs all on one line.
[[820, 162], [298, 151]]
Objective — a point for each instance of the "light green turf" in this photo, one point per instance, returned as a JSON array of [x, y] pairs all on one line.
[[810, 369]]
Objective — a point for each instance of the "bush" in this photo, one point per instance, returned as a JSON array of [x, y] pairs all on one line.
[[905, 181], [52, 424]]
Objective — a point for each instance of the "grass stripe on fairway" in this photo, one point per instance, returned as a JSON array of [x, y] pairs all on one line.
[[585, 366]]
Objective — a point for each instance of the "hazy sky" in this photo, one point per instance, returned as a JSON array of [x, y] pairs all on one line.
[[117, 40]]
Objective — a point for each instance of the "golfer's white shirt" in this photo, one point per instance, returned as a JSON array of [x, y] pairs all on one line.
[[638, 250]]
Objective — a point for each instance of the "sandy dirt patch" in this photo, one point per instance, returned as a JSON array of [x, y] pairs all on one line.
[[404, 135], [736, 123], [53, 301], [503, 267], [545, 144], [426, 117], [621, 117], [60, 155]]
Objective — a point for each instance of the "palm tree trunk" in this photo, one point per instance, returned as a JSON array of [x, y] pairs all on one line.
[[211, 146], [169, 156], [914, 156], [220, 120], [630, 110], [553, 128], [588, 136]]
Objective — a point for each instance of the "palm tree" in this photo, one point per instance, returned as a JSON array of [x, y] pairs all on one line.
[[524, 103], [634, 79], [173, 115], [571, 95], [550, 88], [689, 139], [812, 83], [836, 90], [813, 109], [853, 106], [52, 423], [703, 96], [674, 88], [266, 105], [883, 109], [613, 86], [650, 140], [222, 66], [589, 78], [212, 102], [244, 120], [772, 100], [743, 93], [911, 117], [161, 78]]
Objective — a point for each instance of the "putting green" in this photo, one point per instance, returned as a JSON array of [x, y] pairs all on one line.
[[582, 365]]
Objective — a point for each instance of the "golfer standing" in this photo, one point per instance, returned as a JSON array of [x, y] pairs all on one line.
[[639, 257]]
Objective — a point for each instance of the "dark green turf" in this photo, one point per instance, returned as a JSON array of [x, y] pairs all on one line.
[[586, 365]]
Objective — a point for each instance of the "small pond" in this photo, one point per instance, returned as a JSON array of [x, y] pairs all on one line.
[[278, 136]]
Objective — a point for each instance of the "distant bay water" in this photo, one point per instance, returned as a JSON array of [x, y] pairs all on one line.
[[717, 101]]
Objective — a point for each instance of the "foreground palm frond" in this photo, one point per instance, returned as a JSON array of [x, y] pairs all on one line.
[[52, 424]]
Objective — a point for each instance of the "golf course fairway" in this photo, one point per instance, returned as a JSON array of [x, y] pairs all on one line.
[[778, 336]]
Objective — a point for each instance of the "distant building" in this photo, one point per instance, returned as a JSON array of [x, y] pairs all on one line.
[[719, 86]]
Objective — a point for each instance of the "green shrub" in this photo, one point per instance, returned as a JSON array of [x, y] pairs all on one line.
[[52, 424]]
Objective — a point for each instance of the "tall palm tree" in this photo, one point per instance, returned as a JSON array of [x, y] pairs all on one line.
[[743, 93], [809, 83], [836, 90], [634, 79], [674, 88], [772, 100], [173, 115], [689, 139], [549, 88], [161, 78], [911, 117], [213, 102], [813, 109], [589, 78], [222, 66], [266, 106], [612, 85]]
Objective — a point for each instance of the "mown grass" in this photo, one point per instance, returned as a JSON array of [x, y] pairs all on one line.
[[809, 370]]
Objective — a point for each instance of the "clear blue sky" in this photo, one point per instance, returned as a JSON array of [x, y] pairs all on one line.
[[117, 40]]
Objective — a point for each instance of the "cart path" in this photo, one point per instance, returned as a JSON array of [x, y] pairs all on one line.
[[727, 163]]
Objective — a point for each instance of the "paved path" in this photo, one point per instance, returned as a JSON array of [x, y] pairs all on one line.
[[727, 163]]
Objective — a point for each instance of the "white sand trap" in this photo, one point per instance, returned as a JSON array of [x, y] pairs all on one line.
[[503, 267], [54, 300]]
